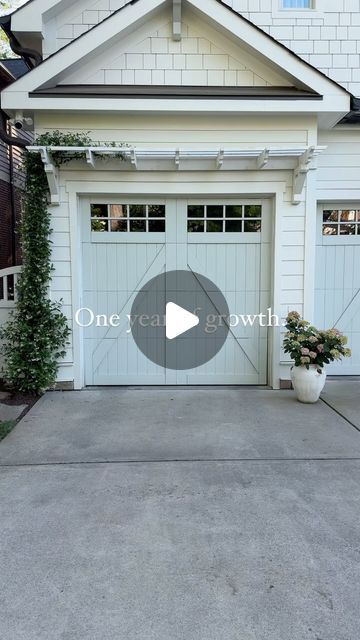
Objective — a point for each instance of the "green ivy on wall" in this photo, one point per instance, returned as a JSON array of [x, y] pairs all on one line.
[[36, 336]]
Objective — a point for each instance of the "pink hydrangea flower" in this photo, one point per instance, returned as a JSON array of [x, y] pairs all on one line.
[[312, 355], [305, 351], [320, 348]]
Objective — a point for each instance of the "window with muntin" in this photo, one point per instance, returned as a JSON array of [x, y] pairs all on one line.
[[128, 218]]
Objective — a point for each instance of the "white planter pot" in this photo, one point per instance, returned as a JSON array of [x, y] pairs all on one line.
[[308, 383]]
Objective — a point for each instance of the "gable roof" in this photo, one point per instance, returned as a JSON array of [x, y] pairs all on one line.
[[124, 20], [221, 2]]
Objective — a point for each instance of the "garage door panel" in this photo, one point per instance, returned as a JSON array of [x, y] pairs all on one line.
[[265, 271], [232, 267], [105, 303], [136, 362], [117, 267], [240, 359], [240, 270], [88, 277], [134, 267], [337, 294], [231, 251], [120, 354], [330, 306], [352, 267], [336, 273], [228, 368], [205, 259]]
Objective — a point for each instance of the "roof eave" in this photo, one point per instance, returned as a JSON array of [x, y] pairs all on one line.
[[353, 117], [32, 58]]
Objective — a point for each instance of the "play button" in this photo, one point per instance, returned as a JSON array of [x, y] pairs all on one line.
[[179, 320]]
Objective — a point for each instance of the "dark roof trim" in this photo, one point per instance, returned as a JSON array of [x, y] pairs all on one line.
[[160, 91], [353, 117]]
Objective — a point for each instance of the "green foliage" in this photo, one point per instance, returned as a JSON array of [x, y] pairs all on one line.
[[61, 139], [36, 335], [307, 345], [5, 428]]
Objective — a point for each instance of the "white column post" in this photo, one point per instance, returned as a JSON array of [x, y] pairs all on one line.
[[310, 239]]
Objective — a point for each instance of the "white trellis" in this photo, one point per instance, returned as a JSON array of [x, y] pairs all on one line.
[[299, 160]]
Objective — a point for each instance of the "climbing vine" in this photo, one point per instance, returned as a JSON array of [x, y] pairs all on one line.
[[36, 336]]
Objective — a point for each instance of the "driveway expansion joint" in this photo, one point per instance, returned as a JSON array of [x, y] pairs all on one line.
[[340, 414], [74, 463]]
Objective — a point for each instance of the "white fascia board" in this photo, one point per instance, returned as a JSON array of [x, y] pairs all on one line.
[[12, 101], [104, 34], [30, 16], [266, 46]]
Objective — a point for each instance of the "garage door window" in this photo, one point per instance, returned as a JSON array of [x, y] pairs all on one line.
[[215, 218], [341, 222], [128, 218]]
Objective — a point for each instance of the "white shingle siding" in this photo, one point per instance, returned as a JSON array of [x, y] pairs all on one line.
[[338, 165], [200, 58], [331, 30]]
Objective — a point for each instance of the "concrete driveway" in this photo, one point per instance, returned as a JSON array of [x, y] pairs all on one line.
[[208, 514]]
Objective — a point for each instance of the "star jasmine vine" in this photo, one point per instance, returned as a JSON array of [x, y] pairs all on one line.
[[37, 334]]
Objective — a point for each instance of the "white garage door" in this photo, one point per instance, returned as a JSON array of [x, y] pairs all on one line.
[[128, 242], [338, 280]]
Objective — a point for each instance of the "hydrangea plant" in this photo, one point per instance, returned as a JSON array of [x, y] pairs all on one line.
[[308, 345]]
